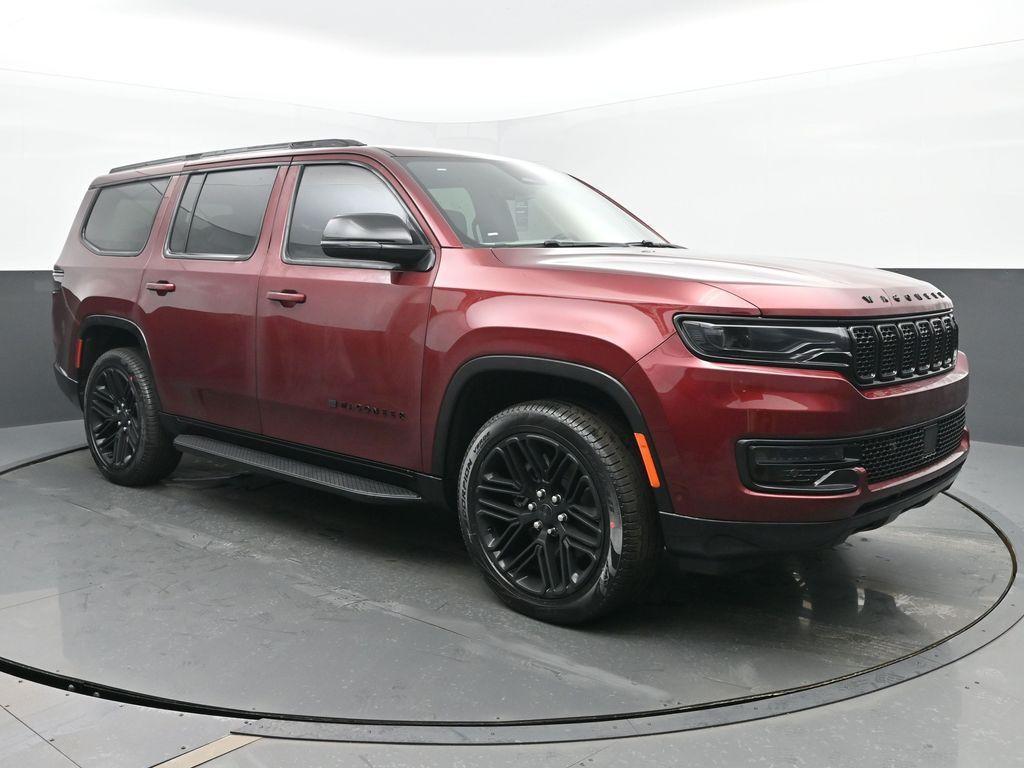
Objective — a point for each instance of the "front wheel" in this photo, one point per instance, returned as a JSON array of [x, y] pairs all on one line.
[[554, 511], [122, 421]]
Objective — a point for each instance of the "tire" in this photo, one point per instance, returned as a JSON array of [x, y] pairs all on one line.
[[598, 541], [122, 424]]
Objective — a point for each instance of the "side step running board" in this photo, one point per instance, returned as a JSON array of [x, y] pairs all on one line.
[[353, 486]]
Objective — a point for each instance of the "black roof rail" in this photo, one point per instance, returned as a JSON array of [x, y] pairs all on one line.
[[309, 144]]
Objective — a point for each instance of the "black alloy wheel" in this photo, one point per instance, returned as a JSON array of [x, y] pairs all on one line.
[[113, 418], [556, 512], [538, 515], [122, 420]]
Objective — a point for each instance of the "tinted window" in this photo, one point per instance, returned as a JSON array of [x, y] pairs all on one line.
[[222, 213], [326, 191], [122, 216], [183, 218]]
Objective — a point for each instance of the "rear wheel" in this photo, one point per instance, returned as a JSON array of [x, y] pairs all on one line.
[[122, 421], [554, 511]]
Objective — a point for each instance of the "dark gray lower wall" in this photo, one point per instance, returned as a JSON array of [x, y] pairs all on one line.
[[986, 303], [28, 392]]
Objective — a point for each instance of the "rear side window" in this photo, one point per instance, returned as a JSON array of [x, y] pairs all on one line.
[[221, 213], [326, 191], [122, 216]]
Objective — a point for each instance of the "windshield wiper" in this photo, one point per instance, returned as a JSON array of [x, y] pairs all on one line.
[[581, 244], [652, 244], [576, 244]]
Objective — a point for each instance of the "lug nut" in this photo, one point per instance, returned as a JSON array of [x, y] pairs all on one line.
[[536, 524], [562, 517], [552, 531], [555, 499], [531, 506], [541, 493]]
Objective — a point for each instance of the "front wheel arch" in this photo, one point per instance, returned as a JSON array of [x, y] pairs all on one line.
[[470, 400]]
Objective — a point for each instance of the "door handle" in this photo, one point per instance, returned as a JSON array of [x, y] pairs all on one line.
[[161, 287], [287, 298]]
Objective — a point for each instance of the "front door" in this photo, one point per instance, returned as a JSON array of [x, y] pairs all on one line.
[[340, 343], [198, 295]]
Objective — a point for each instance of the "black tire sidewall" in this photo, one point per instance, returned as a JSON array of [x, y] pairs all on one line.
[[154, 456]]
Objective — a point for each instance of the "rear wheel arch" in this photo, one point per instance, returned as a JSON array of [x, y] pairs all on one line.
[[102, 333]]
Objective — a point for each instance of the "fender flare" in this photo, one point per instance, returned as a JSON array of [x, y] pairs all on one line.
[[600, 380], [113, 321]]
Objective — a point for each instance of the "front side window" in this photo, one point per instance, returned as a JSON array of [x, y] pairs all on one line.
[[326, 191], [506, 203], [221, 213], [122, 216]]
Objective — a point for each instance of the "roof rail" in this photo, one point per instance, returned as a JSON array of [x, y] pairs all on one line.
[[310, 144]]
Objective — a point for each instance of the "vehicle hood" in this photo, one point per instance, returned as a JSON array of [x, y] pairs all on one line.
[[777, 287]]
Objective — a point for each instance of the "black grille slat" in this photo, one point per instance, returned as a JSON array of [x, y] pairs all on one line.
[[938, 343], [865, 353], [888, 353], [902, 452], [897, 350], [926, 343], [908, 349], [948, 352]]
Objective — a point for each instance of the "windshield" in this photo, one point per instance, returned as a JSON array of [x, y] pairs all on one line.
[[508, 203]]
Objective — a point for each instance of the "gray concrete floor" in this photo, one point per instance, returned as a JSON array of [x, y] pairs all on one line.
[[19, 445], [362, 612], [964, 714]]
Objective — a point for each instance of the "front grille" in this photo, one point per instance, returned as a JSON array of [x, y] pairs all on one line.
[[907, 450], [897, 350]]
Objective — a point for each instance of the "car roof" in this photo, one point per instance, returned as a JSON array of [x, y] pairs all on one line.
[[168, 166]]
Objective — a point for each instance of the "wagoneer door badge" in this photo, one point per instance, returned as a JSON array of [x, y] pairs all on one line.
[[371, 410]]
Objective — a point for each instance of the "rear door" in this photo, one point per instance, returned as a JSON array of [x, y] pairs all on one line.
[[340, 367], [198, 298]]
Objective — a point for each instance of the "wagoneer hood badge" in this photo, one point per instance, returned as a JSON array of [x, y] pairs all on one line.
[[906, 297]]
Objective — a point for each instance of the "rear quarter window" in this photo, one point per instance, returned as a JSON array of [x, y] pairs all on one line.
[[122, 217]]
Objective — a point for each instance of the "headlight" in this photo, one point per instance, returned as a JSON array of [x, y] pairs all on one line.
[[743, 341]]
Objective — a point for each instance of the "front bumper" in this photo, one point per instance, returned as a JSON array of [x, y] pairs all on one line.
[[697, 412], [698, 540]]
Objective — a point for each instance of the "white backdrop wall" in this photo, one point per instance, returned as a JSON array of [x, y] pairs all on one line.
[[59, 133], [911, 163], [915, 162]]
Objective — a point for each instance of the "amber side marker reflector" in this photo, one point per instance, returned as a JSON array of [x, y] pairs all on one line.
[[645, 454], [78, 354]]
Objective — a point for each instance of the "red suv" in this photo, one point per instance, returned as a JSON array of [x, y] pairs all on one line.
[[408, 326]]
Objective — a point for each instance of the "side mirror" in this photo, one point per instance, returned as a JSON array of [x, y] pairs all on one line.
[[374, 236]]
